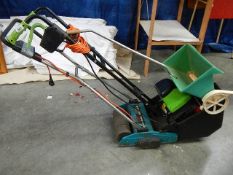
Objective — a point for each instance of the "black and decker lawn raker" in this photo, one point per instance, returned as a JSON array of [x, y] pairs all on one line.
[[187, 105]]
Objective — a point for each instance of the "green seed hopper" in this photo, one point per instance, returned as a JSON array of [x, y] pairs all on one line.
[[191, 72]]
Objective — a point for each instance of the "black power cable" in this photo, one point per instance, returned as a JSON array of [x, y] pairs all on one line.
[[106, 85]]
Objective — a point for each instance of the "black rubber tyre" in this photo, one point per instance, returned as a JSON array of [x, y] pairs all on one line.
[[149, 143], [121, 126]]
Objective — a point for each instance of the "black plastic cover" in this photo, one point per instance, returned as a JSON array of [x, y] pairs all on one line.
[[164, 87], [52, 38]]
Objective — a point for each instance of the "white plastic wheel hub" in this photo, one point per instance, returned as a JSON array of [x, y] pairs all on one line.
[[216, 101]]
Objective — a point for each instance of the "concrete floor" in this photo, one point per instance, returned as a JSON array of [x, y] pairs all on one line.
[[73, 135]]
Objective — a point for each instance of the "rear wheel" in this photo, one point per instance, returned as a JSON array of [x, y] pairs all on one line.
[[149, 143], [121, 126]]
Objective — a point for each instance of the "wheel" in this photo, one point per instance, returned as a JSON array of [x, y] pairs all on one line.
[[121, 126], [215, 102], [148, 143]]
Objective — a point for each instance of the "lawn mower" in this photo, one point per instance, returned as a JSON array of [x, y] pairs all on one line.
[[188, 104]]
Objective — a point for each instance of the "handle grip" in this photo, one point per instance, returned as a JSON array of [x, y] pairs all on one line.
[[17, 47], [52, 14], [6, 31]]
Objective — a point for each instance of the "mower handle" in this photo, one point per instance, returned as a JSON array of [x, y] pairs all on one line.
[[6, 31], [27, 20], [39, 9], [38, 57]]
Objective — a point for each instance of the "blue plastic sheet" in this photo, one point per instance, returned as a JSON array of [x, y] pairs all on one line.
[[122, 14]]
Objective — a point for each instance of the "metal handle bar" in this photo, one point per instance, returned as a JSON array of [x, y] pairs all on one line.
[[128, 48], [52, 14]]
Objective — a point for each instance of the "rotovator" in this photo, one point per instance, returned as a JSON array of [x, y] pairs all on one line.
[[188, 105]]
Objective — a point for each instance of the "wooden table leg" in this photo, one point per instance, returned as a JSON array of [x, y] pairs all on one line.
[[3, 68]]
